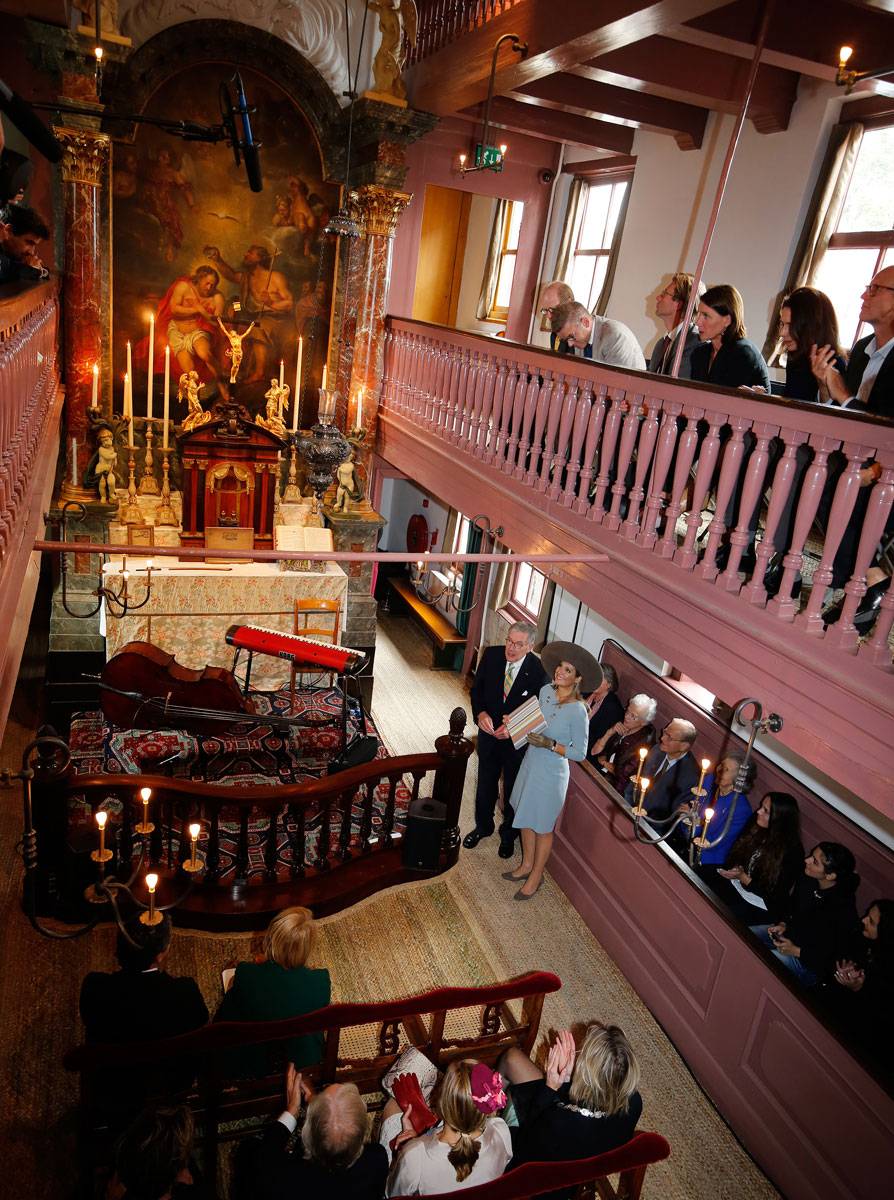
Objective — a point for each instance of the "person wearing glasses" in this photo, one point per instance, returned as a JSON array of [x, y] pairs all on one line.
[[670, 308], [598, 338], [506, 678], [867, 385], [551, 297]]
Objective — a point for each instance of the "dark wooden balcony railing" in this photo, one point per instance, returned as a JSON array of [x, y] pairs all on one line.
[[441, 22], [317, 839]]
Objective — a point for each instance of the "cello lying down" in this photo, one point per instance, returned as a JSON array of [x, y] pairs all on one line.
[[144, 687]]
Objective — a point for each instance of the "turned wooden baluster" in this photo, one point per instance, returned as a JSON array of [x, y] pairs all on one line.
[[733, 453], [667, 439], [648, 435], [497, 412], [481, 414], [846, 491], [753, 486], [532, 395], [388, 815], [297, 837], [629, 430], [324, 835], [409, 368], [554, 442], [876, 649], [456, 363], [567, 415], [685, 556], [270, 846], [344, 833], [588, 459], [812, 489], [783, 480], [514, 385], [426, 383], [399, 394], [241, 857], [462, 394], [596, 511], [441, 404], [844, 634], [541, 414]]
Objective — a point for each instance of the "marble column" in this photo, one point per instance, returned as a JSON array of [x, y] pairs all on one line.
[[85, 175], [378, 210]]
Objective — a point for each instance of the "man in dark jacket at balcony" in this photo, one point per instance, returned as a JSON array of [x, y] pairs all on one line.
[[506, 678], [597, 338], [670, 308], [21, 232], [671, 770]]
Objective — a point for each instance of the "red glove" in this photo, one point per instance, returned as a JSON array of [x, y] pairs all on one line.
[[408, 1094]]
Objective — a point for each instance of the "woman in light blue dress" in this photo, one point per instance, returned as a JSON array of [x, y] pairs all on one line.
[[539, 791]]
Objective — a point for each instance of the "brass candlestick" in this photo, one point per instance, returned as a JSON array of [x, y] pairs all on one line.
[[131, 514], [292, 491], [195, 863], [145, 826], [164, 514], [148, 484], [151, 916]]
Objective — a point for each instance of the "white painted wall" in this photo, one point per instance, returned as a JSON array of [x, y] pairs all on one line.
[[400, 500], [481, 219]]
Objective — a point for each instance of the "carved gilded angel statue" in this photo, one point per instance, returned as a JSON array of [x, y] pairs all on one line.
[[234, 354], [277, 397], [188, 390], [395, 16]]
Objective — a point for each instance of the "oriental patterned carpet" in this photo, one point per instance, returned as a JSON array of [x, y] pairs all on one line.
[[462, 928]]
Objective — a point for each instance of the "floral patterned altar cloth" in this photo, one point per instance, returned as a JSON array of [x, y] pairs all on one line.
[[263, 757]]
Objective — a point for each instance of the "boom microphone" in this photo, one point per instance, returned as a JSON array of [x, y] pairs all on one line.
[[250, 147], [22, 116]]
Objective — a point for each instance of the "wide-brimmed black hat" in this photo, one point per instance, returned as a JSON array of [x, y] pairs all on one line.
[[582, 661]]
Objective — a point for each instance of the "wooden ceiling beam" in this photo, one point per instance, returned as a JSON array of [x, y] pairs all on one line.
[[456, 77], [685, 122], [553, 126], [691, 74]]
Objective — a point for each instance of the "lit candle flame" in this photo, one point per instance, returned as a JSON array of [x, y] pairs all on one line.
[[145, 794], [151, 882], [101, 818]]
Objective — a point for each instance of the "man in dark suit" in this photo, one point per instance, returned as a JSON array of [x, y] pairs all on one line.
[[670, 308], [332, 1161], [507, 676], [671, 769], [866, 386]]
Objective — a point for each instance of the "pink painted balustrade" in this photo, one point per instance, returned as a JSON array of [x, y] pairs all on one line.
[[613, 458], [30, 406]]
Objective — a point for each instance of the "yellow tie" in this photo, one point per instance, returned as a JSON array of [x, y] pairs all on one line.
[[508, 678]]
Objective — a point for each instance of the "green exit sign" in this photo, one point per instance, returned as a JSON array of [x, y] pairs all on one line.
[[488, 156]]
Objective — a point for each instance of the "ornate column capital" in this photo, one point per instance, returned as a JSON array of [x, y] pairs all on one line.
[[378, 209], [86, 157]]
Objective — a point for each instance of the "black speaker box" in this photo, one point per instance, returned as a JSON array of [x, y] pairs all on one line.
[[422, 839]]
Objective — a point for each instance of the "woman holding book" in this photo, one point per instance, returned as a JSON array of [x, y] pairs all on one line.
[[539, 791]]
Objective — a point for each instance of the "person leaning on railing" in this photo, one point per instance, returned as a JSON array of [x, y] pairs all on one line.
[[279, 987], [585, 1103], [764, 863], [21, 232]]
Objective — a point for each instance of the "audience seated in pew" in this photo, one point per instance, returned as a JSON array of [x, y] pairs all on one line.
[[140, 1002], [616, 753], [862, 988], [333, 1161], [764, 862], [585, 1104], [281, 986], [469, 1145], [153, 1158], [603, 706], [821, 917], [730, 808], [671, 770]]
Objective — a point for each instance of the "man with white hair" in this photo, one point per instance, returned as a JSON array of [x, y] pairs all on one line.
[[671, 770], [336, 1161]]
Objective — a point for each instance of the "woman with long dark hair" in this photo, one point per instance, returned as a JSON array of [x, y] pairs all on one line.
[[862, 990], [764, 862], [806, 320], [726, 357]]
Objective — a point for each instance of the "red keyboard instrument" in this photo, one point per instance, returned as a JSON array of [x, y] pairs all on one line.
[[298, 650]]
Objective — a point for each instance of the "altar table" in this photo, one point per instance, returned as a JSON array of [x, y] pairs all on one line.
[[191, 607]]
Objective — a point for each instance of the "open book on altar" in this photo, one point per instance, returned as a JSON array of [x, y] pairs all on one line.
[[528, 718]]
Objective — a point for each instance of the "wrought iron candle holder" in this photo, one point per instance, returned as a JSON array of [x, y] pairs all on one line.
[[323, 449]]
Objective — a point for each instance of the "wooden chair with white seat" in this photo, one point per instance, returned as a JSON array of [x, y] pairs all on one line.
[[318, 619]]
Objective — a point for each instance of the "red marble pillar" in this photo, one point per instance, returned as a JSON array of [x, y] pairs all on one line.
[[378, 210], [85, 173]]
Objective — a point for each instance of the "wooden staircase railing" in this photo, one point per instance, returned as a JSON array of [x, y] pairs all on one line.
[[339, 861]]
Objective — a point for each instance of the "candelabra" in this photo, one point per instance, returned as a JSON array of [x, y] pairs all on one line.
[[292, 492], [48, 759], [119, 601], [324, 449], [164, 514], [451, 591], [148, 483], [131, 514]]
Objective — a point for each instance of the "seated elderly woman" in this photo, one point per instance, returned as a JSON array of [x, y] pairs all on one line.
[[281, 986], [616, 753], [603, 705], [587, 1102], [469, 1144]]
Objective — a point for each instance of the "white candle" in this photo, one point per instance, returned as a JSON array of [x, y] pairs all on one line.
[[323, 384], [167, 398], [151, 366], [74, 462], [297, 386], [128, 406], [129, 367], [282, 372], [94, 398]]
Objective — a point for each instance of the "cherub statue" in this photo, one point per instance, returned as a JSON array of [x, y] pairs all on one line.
[[349, 489], [276, 398], [100, 471], [394, 16], [234, 354], [188, 389]]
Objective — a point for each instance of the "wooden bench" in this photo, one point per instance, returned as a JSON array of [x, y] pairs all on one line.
[[443, 1024], [448, 644]]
